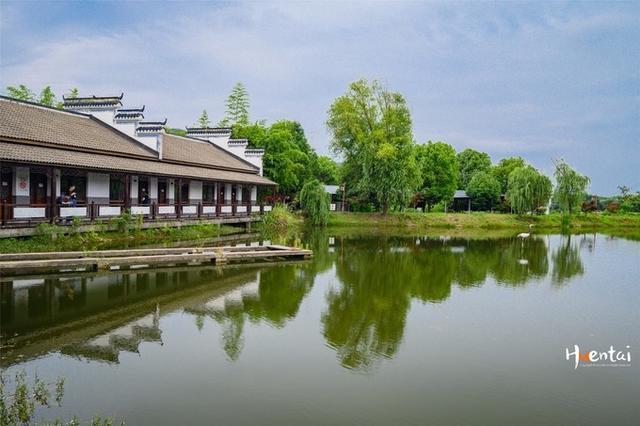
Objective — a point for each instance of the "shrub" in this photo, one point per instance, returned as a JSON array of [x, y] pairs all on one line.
[[315, 202], [278, 220]]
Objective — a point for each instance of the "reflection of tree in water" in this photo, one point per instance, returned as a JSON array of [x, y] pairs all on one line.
[[566, 262], [365, 317]]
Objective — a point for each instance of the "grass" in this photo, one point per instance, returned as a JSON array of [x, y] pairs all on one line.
[[51, 238], [480, 220]]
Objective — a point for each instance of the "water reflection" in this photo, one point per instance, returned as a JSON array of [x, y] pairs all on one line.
[[376, 279]]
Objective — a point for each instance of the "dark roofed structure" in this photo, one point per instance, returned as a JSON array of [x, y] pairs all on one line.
[[82, 102], [32, 123], [115, 162]]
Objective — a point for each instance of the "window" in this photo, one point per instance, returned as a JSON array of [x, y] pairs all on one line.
[[143, 190], [162, 191], [38, 190], [116, 189], [208, 192], [71, 178], [184, 192]]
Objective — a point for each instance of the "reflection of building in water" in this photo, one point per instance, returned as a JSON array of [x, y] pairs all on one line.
[[233, 299], [107, 346], [98, 315]]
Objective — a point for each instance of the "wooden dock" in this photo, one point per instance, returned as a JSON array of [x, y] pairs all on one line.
[[73, 261]]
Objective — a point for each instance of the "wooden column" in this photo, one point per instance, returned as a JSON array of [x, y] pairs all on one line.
[[178, 200], [52, 198], [127, 191]]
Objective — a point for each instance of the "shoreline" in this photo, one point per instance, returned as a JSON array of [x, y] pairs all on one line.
[[487, 221]]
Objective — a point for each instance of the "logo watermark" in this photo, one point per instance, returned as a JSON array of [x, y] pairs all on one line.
[[595, 358]]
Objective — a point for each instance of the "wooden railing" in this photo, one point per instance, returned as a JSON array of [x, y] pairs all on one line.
[[35, 213]]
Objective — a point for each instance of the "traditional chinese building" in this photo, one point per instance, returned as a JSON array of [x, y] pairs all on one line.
[[117, 160]]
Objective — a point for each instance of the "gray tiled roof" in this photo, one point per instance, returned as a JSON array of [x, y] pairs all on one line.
[[11, 151], [188, 150], [19, 120]]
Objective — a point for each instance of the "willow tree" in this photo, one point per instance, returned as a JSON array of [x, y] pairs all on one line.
[[314, 201], [571, 187], [528, 189], [371, 128]]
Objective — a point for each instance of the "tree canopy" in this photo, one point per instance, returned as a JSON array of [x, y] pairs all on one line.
[[326, 170], [371, 129], [471, 162], [528, 190], [439, 171], [237, 107], [203, 121], [484, 190], [570, 187], [503, 169]]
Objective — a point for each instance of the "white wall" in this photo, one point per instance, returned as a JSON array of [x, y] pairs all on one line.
[[150, 140], [98, 185], [105, 115], [21, 182], [170, 191], [134, 189], [254, 194], [239, 193], [256, 160], [153, 188], [195, 191], [227, 193], [127, 127]]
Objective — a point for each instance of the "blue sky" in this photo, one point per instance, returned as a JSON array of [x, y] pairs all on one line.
[[540, 80]]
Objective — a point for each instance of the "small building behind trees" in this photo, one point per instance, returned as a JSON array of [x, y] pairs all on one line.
[[461, 201]]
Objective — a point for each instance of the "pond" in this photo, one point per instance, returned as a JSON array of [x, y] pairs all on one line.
[[376, 329]]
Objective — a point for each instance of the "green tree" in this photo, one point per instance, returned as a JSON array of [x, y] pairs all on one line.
[[47, 97], [371, 128], [203, 121], [484, 190], [471, 162], [528, 189], [237, 107], [315, 202], [503, 169], [73, 93], [439, 169], [21, 92], [326, 170], [570, 187]]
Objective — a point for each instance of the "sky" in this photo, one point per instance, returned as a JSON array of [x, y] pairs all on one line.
[[540, 80]]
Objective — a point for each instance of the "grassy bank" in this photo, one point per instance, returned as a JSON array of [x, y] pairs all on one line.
[[477, 220], [56, 238]]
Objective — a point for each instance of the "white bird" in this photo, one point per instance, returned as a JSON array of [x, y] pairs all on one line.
[[525, 234]]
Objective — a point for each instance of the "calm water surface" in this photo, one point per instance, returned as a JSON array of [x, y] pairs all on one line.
[[375, 330]]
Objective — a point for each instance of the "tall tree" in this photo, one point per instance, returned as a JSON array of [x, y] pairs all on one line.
[[439, 169], [73, 93], [21, 92], [570, 187], [371, 128], [528, 190], [326, 170], [203, 121], [237, 106], [471, 162], [484, 190], [47, 97], [503, 169]]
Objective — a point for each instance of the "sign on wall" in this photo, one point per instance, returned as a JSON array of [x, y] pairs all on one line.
[[22, 181]]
